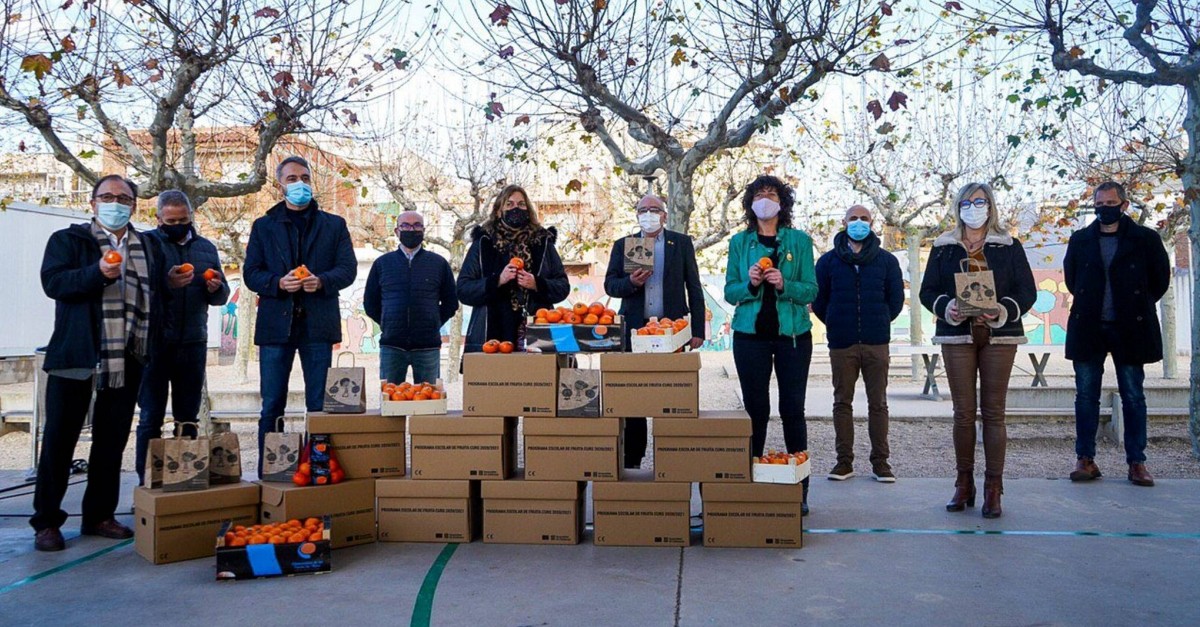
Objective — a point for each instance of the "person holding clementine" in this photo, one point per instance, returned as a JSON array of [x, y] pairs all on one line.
[[771, 279], [511, 270]]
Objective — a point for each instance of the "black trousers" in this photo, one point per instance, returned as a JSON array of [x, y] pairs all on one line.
[[181, 368], [790, 357], [67, 403]]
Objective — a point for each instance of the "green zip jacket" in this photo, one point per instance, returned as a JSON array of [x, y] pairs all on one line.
[[799, 281]]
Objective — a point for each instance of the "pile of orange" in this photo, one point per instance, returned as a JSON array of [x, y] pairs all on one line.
[[290, 532], [579, 313], [406, 391], [775, 457], [496, 346], [661, 327]]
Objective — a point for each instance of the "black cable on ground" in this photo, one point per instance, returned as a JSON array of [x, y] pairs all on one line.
[[30, 493]]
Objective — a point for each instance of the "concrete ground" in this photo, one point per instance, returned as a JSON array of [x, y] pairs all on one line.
[[1100, 553]]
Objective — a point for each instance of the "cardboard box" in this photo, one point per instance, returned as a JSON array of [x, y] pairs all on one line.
[[432, 407], [176, 526], [637, 511], [669, 342], [273, 560], [639, 254], [350, 505], [459, 447], [516, 384], [656, 386], [532, 512], [427, 511], [567, 449], [702, 449], [575, 338], [366, 446], [753, 515], [578, 393]]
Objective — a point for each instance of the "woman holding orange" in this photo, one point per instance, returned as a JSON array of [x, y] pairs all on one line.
[[771, 279], [511, 270]]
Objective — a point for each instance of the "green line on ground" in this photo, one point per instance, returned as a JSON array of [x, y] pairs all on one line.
[[423, 609], [61, 567], [1015, 532]]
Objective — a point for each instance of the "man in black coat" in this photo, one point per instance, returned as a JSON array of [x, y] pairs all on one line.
[[860, 291], [179, 358], [672, 290], [297, 261], [1117, 271], [410, 294], [101, 278]]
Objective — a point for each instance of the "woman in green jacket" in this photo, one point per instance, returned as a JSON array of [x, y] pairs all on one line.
[[771, 280]]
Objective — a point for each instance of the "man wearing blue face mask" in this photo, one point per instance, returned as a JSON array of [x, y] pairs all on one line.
[[178, 361], [297, 260], [1116, 270], [101, 278], [860, 291]]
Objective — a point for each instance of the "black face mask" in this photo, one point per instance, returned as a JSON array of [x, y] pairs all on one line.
[[175, 232], [1108, 214], [411, 239], [516, 218]]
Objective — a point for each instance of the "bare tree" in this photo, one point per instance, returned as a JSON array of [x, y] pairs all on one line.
[[108, 68], [685, 79]]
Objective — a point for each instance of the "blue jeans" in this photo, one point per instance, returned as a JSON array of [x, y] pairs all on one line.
[[394, 363], [274, 370], [1130, 377], [180, 367]]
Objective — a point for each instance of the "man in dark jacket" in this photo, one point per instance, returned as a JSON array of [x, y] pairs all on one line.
[[101, 278], [671, 290], [410, 294], [860, 291], [181, 334], [297, 261], [1117, 271]]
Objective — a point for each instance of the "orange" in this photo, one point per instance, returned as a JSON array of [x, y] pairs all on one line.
[[237, 542], [397, 396], [210, 274], [579, 309], [186, 268], [277, 539], [491, 346], [765, 263], [312, 521], [541, 313], [436, 395], [314, 536], [596, 308], [643, 331], [517, 263], [606, 319], [506, 347], [665, 323], [420, 396], [112, 257], [388, 388], [297, 538], [591, 319], [409, 394], [554, 317], [301, 272], [540, 320], [257, 539], [610, 312]]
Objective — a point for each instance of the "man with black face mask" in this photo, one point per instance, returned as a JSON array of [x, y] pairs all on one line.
[[410, 293], [1117, 270], [192, 283]]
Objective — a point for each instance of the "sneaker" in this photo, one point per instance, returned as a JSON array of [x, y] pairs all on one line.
[[841, 472], [883, 474]]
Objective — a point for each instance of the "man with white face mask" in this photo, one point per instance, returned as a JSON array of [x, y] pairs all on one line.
[[671, 290], [101, 279]]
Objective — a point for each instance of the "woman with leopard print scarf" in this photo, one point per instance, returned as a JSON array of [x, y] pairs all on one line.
[[501, 291]]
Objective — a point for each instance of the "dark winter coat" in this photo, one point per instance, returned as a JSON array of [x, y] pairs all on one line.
[[185, 309], [682, 292], [274, 250], [492, 316], [858, 295], [1015, 290], [1140, 274], [410, 300]]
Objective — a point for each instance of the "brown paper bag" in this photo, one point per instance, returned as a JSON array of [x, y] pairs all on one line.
[[226, 455], [185, 464], [578, 393], [975, 291], [152, 475], [281, 454], [639, 254], [345, 388]]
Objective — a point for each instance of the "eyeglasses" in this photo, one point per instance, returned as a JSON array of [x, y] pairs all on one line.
[[410, 227], [644, 210], [980, 203], [124, 199]]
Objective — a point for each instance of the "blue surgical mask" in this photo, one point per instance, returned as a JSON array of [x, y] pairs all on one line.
[[858, 230], [299, 193], [113, 215]]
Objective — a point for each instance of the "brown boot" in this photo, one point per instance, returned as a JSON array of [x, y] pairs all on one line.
[[1138, 475], [964, 493], [993, 487], [1085, 470]]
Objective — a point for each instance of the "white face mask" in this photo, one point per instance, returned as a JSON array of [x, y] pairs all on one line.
[[650, 222], [974, 217], [765, 208]]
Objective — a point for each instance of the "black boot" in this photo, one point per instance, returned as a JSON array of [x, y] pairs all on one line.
[[964, 493]]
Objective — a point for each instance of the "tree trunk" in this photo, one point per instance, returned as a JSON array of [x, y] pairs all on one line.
[[679, 198], [915, 333], [458, 249], [1170, 351], [1191, 194], [246, 310]]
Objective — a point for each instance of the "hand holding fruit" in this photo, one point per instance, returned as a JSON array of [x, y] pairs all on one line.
[[756, 275], [774, 277], [509, 273], [212, 280], [110, 264], [291, 282], [180, 275], [527, 281], [311, 283]]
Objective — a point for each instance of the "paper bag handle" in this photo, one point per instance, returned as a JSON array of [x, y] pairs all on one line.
[[338, 362], [964, 264]]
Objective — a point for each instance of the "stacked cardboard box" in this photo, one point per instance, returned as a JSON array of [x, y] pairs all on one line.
[[763, 515], [712, 447], [367, 445], [532, 512], [427, 511], [457, 447], [638, 511], [177, 526], [350, 505], [568, 449]]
